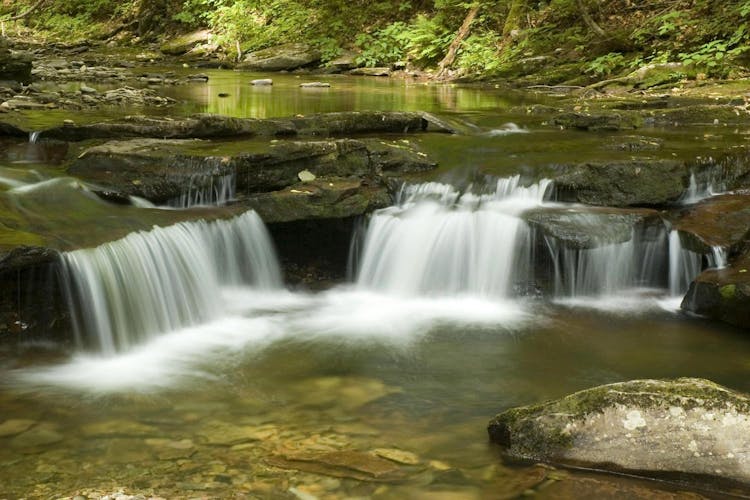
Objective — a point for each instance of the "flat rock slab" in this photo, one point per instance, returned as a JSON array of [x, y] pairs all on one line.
[[164, 169], [722, 294], [585, 228], [654, 427], [346, 464], [208, 126], [285, 57]]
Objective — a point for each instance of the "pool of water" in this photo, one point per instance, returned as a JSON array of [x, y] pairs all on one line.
[[295, 395]]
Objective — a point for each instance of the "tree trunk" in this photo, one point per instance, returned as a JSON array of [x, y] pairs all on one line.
[[462, 33], [589, 20], [515, 17]]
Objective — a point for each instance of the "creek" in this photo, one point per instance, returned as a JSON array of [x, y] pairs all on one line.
[[194, 367]]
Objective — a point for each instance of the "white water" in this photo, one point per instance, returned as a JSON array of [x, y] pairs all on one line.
[[165, 279], [33, 136], [698, 190], [440, 242], [684, 265], [217, 191], [506, 129], [718, 257]]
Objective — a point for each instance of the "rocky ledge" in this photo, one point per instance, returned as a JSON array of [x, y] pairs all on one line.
[[722, 294], [691, 428]]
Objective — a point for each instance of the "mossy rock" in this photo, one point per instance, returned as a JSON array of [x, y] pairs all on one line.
[[610, 120], [183, 43], [685, 426], [722, 294]]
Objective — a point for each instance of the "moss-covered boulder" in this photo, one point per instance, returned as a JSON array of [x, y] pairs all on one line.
[[654, 427], [584, 228], [722, 294], [285, 57], [622, 183]]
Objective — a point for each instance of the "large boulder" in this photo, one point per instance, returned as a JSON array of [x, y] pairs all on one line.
[[722, 294], [14, 66], [721, 221], [654, 427], [285, 57], [181, 44]]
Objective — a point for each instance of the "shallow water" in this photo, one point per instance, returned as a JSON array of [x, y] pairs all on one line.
[[213, 410]]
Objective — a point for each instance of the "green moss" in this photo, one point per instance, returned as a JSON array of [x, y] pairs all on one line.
[[728, 291]]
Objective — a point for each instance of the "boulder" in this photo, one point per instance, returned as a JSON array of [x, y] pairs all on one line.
[[720, 221], [620, 120], [622, 183], [208, 125], [722, 294], [689, 427], [184, 43], [584, 228], [371, 72], [285, 57]]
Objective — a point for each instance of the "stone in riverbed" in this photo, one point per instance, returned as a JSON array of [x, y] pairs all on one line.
[[371, 72], [722, 294], [182, 44], [346, 464], [15, 426], [314, 85], [262, 82], [720, 221], [655, 427], [285, 57]]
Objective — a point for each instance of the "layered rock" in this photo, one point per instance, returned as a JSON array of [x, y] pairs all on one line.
[[208, 126], [654, 427], [14, 66]]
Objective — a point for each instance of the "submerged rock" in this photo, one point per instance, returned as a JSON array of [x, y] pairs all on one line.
[[722, 294], [346, 464], [654, 427]]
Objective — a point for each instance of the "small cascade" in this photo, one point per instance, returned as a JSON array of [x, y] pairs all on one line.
[[439, 241], [607, 268], [147, 283], [718, 257], [33, 136], [708, 185], [684, 265], [207, 191], [506, 129]]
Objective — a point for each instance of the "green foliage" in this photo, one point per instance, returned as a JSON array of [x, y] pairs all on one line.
[[606, 65], [479, 53]]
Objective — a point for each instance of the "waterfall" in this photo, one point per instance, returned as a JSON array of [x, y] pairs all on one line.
[[684, 265], [439, 241], [33, 136], [711, 184], [206, 190], [608, 268], [718, 257], [156, 281]]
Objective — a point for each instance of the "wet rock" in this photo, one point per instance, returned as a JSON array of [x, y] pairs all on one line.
[[87, 90], [683, 426], [371, 72], [161, 170], [585, 228], [345, 464], [262, 82], [622, 183], [346, 60], [285, 57], [621, 120], [182, 44], [167, 449], [15, 426], [198, 77], [722, 294], [207, 126], [634, 143], [721, 221]]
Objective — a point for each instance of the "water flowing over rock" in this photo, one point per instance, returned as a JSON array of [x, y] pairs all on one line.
[[438, 240], [154, 282], [683, 426]]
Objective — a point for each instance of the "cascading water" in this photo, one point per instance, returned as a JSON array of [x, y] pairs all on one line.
[[718, 257], [33, 136], [710, 184], [153, 282], [439, 241], [207, 190]]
